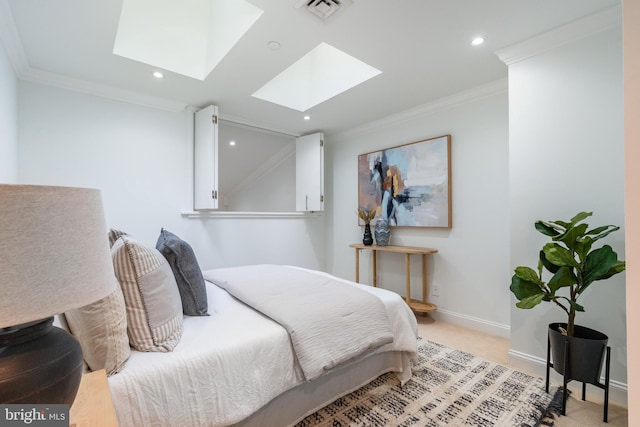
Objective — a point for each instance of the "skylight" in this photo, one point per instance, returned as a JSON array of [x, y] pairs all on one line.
[[188, 37], [321, 74]]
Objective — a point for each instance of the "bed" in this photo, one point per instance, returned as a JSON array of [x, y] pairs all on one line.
[[239, 367]]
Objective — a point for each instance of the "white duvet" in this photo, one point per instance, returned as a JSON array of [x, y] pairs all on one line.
[[226, 366], [311, 307]]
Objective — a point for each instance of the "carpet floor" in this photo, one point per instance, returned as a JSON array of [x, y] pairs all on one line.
[[449, 388]]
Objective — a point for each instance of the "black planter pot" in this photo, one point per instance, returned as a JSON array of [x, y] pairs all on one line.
[[586, 352]]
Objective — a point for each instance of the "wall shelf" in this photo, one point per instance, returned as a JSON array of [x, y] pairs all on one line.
[[263, 215]]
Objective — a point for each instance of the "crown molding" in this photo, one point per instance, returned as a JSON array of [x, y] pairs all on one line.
[[571, 32], [34, 75], [456, 100], [10, 39]]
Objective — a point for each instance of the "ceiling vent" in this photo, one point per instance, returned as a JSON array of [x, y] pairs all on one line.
[[323, 9]]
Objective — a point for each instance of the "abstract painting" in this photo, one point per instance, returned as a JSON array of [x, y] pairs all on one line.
[[408, 185]]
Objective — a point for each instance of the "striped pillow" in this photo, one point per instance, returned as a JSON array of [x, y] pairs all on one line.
[[154, 308], [114, 235]]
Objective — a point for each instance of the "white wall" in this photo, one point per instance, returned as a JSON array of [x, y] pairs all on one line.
[[140, 158], [8, 120], [565, 156], [471, 267]]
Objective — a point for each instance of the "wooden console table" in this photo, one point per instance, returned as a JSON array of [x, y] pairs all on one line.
[[418, 306]]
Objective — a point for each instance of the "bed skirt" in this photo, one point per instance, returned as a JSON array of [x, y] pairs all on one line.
[[295, 404]]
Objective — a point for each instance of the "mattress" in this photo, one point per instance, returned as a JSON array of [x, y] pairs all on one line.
[[235, 363]]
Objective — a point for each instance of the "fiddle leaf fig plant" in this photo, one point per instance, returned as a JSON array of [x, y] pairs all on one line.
[[573, 263]]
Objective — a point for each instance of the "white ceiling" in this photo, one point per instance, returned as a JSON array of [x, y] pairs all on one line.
[[422, 48]]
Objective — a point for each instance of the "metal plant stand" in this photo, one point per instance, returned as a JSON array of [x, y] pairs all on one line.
[[567, 380]]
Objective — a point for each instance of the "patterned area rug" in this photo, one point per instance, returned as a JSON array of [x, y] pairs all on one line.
[[449, 388]]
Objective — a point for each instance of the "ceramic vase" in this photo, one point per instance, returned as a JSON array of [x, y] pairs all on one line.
[[382, 232], [368, 238]]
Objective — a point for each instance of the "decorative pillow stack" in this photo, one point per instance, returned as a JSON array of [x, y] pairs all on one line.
[[186, 271], [154, 310]]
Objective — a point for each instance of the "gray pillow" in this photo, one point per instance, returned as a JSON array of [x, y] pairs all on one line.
[[187, 272]]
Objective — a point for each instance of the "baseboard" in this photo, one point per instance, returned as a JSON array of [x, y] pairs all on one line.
[[532, 364], [473, 323], [536, 365]]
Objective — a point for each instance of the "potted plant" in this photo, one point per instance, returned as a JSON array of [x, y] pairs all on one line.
[[367, 215], [574, 264]]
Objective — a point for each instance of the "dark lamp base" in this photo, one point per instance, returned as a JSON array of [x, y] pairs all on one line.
[[39, 364]]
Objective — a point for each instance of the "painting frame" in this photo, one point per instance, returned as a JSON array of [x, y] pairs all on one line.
[[409, 184]]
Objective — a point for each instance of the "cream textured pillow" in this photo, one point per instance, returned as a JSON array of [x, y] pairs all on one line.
[[154, 309], [101, 329]]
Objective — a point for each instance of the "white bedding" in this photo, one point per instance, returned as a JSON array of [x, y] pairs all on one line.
[[311, 307], [227, 366]]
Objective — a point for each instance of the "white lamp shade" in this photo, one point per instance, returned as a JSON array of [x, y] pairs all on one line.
[[54, 251]]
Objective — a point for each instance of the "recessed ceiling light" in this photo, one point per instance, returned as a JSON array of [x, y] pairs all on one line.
[[232, 143], [158, 74], [477, 41], [273, 45], [307, 117]]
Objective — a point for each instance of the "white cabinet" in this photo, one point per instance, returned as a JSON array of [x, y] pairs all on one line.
[[310, 173], [205, 159]]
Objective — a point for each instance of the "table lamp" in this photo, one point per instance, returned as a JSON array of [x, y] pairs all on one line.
[[54, 257]]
